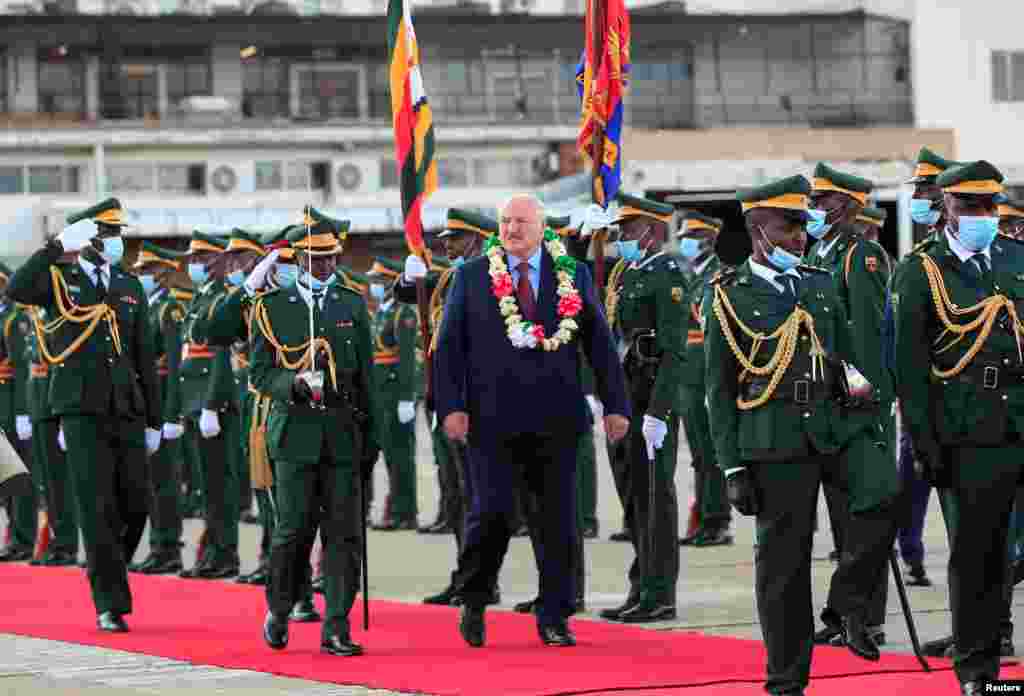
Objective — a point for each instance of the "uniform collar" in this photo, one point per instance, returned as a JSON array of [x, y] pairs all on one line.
[[646, 261], [90, 268], [769, 274], [824, 249]]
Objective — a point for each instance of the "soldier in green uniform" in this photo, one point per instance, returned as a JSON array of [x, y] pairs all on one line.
[[192, 503], [15, 421], [778, 347], [463, 238], [860, 269], [315, 431], [645, 308], [1011, 218], [697, 237], [104, 388], [209, 404], [960, 296], [155, 268], [48, 456], [394, 356]]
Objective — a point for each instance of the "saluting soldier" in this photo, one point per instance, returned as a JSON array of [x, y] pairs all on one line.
[[644, 306], [104, 388], [15, 421], [697, 237], [315, 431], [777, 344], [155, 268], [395, 329], [960, 296], [209, 405], [463, 238]]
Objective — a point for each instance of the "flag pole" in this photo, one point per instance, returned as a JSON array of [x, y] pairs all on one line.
[[598, 25]]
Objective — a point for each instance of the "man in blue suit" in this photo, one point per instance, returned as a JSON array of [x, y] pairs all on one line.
[[509, 388]]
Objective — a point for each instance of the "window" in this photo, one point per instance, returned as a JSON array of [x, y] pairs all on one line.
[[189, 78], [265, 88], [1007, 76], [3, 82], [128, 178], [12, 180], [453, 171], [269, 176], [53, 179], [328, 92], [181, 178], [388, 174], [297, 176], [129, 90], [61, 86], [501, 172]]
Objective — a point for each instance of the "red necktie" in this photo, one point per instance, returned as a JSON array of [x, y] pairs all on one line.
[[524, 292]]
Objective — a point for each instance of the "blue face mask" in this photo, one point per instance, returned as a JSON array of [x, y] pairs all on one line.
[[148, 283], [314, 283], [286, 274], [377, 292], [236, 278], [197, 273], [458, 261], [689, 248], [113, 250], [780, 258], [976, 233], [921, 212], [629, 251], [816, 226]]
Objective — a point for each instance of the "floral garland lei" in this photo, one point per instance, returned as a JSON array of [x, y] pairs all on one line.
[[527, 334]]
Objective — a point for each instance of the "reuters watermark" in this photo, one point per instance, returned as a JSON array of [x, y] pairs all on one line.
[[1005, 686]]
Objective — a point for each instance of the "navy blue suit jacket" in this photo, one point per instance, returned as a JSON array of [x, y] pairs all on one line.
[[510, 391]]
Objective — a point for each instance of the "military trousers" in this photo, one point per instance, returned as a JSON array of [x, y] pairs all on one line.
[[713, 505], [107, 460], [788, 494], [192, 499], [60, 496], [398, 443], [622, 476], [654, 506], [916, 494], [586, 476], [165, 524], [23, 510], [451, 507], [984, 485], [218, 459], [325, 492]]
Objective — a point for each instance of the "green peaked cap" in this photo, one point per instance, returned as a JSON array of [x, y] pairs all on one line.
[[828, 179], [203, 241], [243, 240], [697, 221], [874, 216], [792, 194], [385, 268], [153, 253], [460, 220], [979, 178], [352, 278], [320, 223], [929, 165], [317, 241], [634, 206], [108, 212]]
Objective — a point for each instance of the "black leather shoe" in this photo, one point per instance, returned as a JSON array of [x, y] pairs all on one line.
[[590, 530], [521, 531], [858, 640], [580, 606], [341, 646], [648, 612], [162, 564], [443, 527], [317, 584], [877, 634], [916, 575], [495, 598], [16, 554], [445, 597], [937, 648], [613, 613], [972, 688], [472, 626], [827, 635], [688, 540], [275, 631], [58, 558], [526, 607], [256, 577], [217, 570], [111, 622], [834, 556], [1006, 648], [248, 518], [304, 612], [557, 636], [717, 537], [624, 535]]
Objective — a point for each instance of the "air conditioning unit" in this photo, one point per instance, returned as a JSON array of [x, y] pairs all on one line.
[[356, 176], [207, 105], [23, 8]]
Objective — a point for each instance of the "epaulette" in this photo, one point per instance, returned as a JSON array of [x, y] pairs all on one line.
[[1007, 238], [803, 268], [723, 276], [351, 290], [923, 245]]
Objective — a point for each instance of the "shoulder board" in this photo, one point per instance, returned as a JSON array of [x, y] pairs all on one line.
[[923, 245], [813, 269], [351, 290], [723, 276], [1008, 238]]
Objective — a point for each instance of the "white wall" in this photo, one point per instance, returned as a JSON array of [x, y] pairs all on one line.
[[952, 44]]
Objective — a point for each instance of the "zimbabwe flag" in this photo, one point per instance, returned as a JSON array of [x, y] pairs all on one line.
[[413, 122]]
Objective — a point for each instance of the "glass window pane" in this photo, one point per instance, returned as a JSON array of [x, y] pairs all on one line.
[[297, 176], [1000, 77], [453, 172], [74, 175], [388, 174], [268, 176], [11, 180], [500, 172], [1017, 73], [172, 177], [198, 78], [130, 177], [45, 179]]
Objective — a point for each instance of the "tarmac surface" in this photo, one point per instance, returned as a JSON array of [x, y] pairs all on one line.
[[715, 595]]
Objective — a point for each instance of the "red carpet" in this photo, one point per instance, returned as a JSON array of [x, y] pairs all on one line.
[[418, 648]]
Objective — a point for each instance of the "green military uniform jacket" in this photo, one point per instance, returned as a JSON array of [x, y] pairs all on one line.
[[94, 379], [782, 428], [296, 431], [984, 403], [693, 365], [16, 326], [394, 352], [649, 297], [207, 382], [39, 377], [166, 320]]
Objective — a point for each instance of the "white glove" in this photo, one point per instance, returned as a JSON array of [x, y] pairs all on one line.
[[209, 424], [414, 268], [172, 431], [77, 236], [60, 440], [406, 411], [593, 217], [654, 430], [257, 279], [24, 427], [152, 440], [596, 407]]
